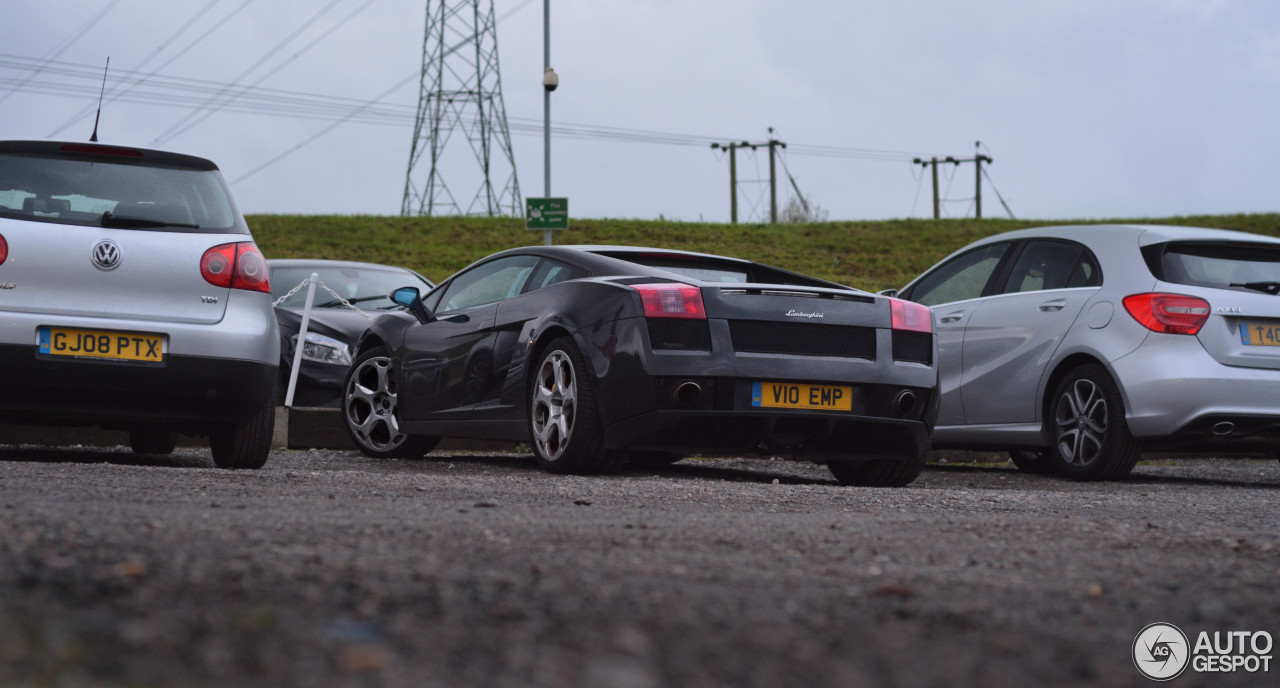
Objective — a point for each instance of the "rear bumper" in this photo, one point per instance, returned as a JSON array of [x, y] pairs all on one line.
[[1175, 393], [189, 394]]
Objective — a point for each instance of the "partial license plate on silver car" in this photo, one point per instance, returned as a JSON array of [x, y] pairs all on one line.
[[801, 396], [142, 347], [1257, 334]]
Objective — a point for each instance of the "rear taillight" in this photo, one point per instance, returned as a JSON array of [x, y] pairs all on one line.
[[1168, 313], [4, 250], [235, 266], [910, 316], [671, 300]]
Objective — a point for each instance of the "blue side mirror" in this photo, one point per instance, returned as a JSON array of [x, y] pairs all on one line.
[[411, 298]]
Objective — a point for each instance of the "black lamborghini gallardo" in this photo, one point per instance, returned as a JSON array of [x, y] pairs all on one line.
[[602, 355]]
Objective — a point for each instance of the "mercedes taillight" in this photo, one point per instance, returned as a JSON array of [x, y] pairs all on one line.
[[1168, 313]]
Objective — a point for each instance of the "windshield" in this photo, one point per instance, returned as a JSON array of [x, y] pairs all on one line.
[[69, 190], [366, 288]]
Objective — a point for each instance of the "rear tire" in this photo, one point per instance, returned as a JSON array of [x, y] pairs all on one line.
[[153, 442], [1091, 440], [246, 444], [371, 410], [564, 421], [878, 472]]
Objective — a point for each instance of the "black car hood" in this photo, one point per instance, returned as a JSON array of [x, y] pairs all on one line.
[[342, 324]]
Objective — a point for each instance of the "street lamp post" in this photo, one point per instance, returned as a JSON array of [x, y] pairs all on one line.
[[549, 83]]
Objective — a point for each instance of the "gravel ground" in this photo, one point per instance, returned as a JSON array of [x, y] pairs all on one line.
[[329, 569]]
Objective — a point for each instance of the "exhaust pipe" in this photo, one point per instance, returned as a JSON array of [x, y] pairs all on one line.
[[904, 403], [1224, 428], [687, 393]]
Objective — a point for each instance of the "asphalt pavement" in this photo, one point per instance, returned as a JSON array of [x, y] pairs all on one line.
[[326, 568]]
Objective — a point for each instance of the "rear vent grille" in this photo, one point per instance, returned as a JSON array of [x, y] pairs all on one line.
[[679, 334], [759, 337], [914, 347]]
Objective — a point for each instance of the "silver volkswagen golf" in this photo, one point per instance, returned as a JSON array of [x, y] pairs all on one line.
[[132, 297], [1077, 347]]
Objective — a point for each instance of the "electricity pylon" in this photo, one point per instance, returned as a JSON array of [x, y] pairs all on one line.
[[460, 97]]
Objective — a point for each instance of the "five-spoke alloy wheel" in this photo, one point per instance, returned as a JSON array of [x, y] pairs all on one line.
[[564, 423], [370, 409], [1091, 440]]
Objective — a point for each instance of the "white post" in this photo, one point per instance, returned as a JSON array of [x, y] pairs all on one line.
[[302, 338]]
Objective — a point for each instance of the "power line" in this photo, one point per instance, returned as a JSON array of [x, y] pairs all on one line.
[[89, 108], [175, 129], [65, 44], [156, 90]]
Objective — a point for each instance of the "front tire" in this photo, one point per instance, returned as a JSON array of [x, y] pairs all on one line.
[[564, 421], [1091, 440], [371, 411], [1035, 461], [153, 442]]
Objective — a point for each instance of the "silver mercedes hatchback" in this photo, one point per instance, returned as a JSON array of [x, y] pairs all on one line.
[[133, 297], [1075, 348]]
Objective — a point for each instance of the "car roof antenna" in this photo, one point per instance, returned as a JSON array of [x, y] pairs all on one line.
[[94, 137]]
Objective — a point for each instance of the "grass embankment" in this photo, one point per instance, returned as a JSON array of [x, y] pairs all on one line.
[[870, 255]]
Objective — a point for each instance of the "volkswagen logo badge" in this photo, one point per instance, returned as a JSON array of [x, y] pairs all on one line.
[[106, 255]]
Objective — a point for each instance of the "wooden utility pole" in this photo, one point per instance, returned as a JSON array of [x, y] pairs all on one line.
[[733, 147], [977, 160]]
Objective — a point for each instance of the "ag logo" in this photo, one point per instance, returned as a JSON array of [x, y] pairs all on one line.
[[1161, 651]]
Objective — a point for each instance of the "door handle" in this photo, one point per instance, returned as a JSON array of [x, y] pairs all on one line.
[[951, 317], [1053, 305]]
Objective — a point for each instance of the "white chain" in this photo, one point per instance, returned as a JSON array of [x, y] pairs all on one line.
[[325, 287]]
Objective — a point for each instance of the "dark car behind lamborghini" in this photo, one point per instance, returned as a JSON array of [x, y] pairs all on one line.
[[600, 355]]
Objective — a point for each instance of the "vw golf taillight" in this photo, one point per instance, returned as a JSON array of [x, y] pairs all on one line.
[[1168, 313], [4, 250], [236, 266], [910, 316], [671, 300]]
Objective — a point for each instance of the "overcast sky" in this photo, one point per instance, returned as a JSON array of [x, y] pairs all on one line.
[[1090, 108]]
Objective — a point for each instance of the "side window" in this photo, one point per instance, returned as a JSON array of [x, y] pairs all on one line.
[[964, 277], [488, 283], [550, 272], [1052, 265], [1086, 273]]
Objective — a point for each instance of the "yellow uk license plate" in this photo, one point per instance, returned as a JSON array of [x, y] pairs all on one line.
[[801, 396], [102, 344], [1257, 334]]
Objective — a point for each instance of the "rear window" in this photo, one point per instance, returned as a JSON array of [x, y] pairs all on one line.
[[100, 192], [1224, 266]]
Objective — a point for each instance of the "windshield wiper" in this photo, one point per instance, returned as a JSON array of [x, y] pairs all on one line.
[[124, 221], [1271, 288], [358, 299]]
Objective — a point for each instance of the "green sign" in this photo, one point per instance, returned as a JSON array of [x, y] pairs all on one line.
[[546, 213]]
